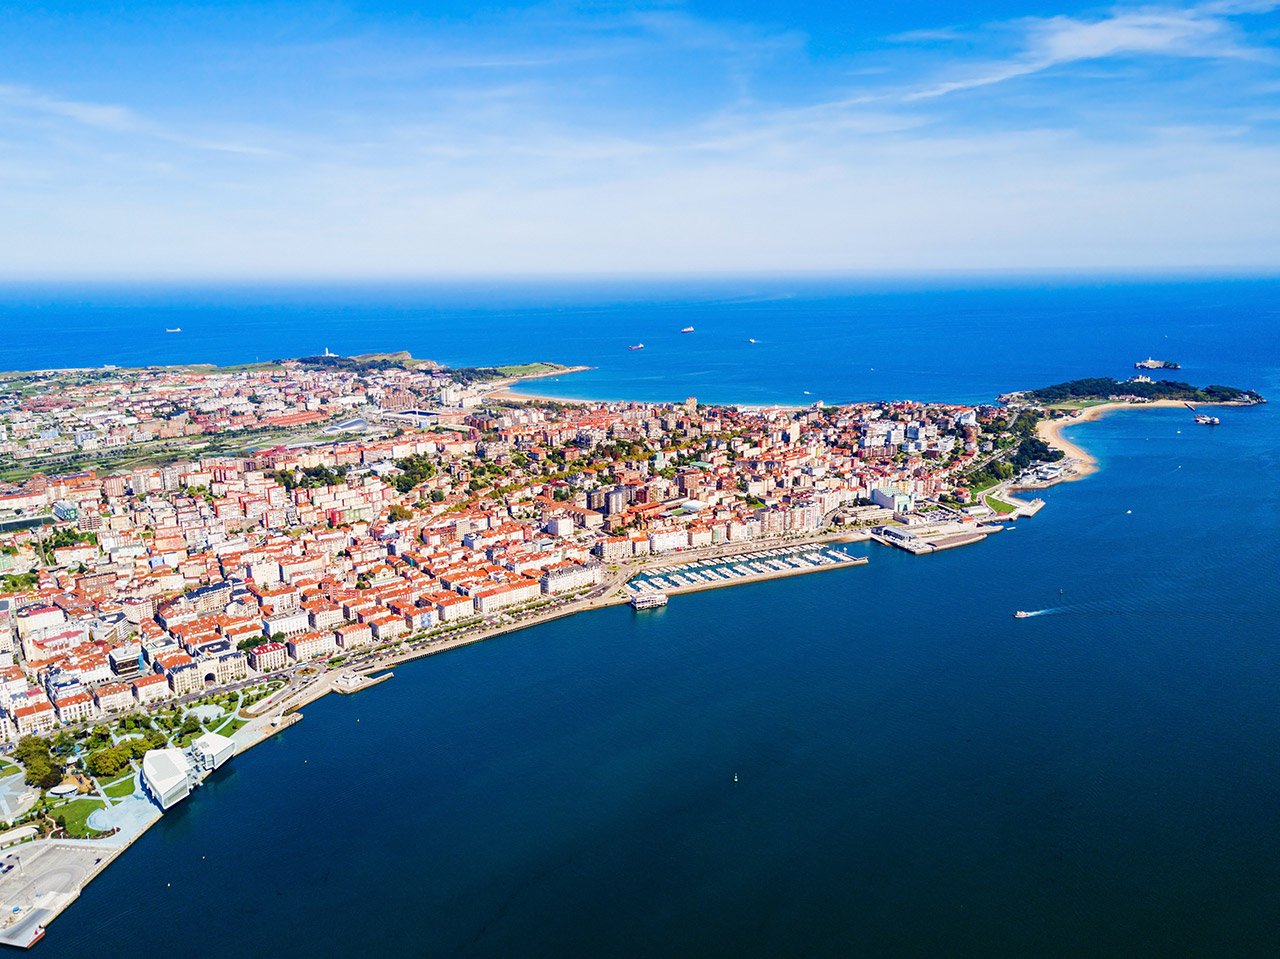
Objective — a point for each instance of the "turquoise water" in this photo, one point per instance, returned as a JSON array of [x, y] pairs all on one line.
[[919, 773]]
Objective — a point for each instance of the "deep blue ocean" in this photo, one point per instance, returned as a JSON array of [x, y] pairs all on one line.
[[919, 773], [961, 340]]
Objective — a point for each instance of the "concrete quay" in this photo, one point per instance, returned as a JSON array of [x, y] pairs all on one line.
[[933, 539]]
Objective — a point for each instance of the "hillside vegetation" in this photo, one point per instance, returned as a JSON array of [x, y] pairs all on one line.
[[1101, 387]]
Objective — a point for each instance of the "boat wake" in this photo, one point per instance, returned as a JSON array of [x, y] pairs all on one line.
[[1105, 608]]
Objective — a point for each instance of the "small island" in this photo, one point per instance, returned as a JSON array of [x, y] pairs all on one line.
[[1139, 389], [1150, 364]]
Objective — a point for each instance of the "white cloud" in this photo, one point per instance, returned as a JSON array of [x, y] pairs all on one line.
[[115, 119], [1032, 199], [499, 176], [1203, 32], [111, 118]]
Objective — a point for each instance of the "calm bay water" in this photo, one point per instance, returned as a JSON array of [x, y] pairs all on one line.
[[919, 774]]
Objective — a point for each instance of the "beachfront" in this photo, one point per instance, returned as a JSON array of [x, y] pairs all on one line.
[[1082, 463]]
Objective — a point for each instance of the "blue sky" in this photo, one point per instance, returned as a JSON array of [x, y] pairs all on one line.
[[381, 140]]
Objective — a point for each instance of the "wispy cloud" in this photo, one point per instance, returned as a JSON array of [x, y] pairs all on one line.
[[1200, 32], [649, 139], [116, 119], [113, 118]]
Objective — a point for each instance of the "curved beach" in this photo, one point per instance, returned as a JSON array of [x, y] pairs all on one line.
[[1051, 430]]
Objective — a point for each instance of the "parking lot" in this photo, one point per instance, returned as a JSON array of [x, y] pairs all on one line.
[[31, 871]]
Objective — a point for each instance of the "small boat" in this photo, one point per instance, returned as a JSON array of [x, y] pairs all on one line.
[[750, 341], [1021, 614], [176, 329], [687, 329], [735, 777], [638, 346]]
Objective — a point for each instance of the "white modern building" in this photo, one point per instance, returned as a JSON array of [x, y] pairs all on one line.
[[166, 774], [212, 750]]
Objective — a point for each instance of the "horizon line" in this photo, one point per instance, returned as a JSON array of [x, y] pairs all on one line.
[[1269, 271]]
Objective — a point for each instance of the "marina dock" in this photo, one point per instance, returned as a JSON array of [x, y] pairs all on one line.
[[741, 568]]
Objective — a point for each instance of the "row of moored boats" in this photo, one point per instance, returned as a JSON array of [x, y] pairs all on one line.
[[713, 571]]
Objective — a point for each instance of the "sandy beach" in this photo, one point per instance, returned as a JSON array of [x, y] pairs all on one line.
[[513, 391], [509, 390], [1051, 430], [507, 394]]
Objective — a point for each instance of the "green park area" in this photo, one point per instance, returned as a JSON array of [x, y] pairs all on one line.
[[73, 817], [120, 788]]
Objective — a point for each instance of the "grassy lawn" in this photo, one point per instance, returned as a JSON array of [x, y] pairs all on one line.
[[75, 813], [977, 488], [232, 726], [1078, 404], [528, 369], [120, 788], [1000, 506], [8, 769]]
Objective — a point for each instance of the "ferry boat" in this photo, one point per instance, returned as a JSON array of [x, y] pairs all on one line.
[[1021, 614], [176, 329], [687, 329], [638, 346], [648, 600], [1204, 419]]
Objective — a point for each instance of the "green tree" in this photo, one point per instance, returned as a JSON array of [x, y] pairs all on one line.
[[64, 743], [43, 772], [31, 747], [108, 762], [415, 470]]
